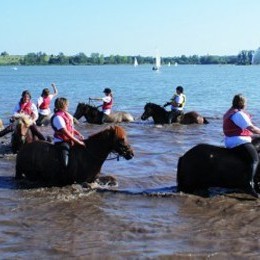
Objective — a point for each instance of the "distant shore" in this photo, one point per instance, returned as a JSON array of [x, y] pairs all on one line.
[[40, 58]]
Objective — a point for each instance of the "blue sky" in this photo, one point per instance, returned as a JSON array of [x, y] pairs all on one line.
[[130, 27]]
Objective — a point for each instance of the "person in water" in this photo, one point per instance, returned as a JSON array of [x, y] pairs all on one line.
[[64, 131], [43, 104], [27, 107], [107, 101], [177, 104], [238, 129]]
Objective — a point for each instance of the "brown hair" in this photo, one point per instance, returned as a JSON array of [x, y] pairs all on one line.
[[239, 101], [24, 93], [60, 103], [45, 92]]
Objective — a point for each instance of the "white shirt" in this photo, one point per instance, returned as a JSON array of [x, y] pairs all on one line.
[[59, 123], [243, 121], [179, 99], [47, 111], [107, 99], [33, 108]]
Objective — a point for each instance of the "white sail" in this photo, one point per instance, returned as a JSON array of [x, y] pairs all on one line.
[[158, 61], [135, 62]]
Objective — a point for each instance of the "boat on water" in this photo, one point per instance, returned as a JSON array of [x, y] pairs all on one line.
[[14, 68], [157, 62], [135, 62], [176, 64]]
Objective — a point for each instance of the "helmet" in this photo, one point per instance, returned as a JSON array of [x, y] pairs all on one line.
[[107, 90]]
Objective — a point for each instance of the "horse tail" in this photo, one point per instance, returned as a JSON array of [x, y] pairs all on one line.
[[205, 121]]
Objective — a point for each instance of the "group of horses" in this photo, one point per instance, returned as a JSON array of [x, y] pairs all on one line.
[[200, 168]]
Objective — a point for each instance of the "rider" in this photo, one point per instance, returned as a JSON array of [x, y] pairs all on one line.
[[44, 102], [107, 101], [238, 129], [64, 131], [177, 104], [25, 106]]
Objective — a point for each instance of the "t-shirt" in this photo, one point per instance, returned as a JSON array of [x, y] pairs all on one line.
[[179, 99], [33, 108], [242, 120], [59, 123], [46, 111]]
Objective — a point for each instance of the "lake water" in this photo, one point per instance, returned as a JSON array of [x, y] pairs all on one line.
[[144, 217]]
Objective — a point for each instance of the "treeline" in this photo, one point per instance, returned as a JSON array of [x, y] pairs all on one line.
[[41, 58]]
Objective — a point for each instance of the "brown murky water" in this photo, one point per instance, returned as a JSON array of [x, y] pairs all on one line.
[[143, 217]]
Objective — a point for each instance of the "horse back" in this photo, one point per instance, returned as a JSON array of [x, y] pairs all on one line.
[[39, 161], [206, 166]]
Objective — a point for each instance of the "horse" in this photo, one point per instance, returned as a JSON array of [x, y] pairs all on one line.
[[161, 116], [1, 125], [205, 166], [41, 161], [22, 133], [94, 116]]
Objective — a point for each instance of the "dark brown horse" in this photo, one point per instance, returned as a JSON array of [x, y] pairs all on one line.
[[161, 116], [40, 161], [206, 166], [22, 133], [94, 116]]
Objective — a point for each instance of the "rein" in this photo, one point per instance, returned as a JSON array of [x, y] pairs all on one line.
[[91, 102]]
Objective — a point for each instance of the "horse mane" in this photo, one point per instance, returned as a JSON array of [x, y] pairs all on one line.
[[155, 106], [24, 118], [91, 107], [117, 131]]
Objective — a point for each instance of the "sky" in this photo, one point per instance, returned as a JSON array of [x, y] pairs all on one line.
[[130, 27]]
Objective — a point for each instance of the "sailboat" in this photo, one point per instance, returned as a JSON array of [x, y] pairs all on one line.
[[157, 62], [135, 62]]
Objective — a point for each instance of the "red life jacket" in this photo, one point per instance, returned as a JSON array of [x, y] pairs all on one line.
[[69, 125], [26, 108], [230, 128], [46, 103], [107, 105]]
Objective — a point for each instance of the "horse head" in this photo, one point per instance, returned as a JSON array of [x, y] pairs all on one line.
[[120, 144], [148, 111], [80, 110], [155, 111], [22, 133], [91, 113]]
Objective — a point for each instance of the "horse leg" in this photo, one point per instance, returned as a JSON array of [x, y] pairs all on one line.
[[7, 130], [18, 172], [40, 119]]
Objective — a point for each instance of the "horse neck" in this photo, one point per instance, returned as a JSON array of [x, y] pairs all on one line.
[[94, 115], [99, 146], [160, 115]]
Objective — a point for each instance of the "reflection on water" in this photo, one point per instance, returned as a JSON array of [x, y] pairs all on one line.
[[144, 217]]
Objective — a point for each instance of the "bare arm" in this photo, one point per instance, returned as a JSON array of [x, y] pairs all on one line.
[[99, 99], [55, 90], [71, 137], [253, 129]]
